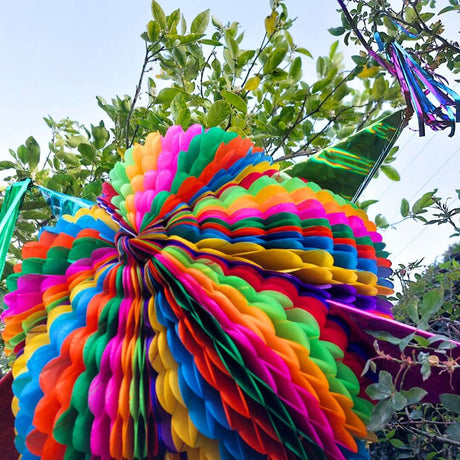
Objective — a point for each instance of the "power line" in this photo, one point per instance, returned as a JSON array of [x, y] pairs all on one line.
[[435, 173], [409, 164], [410, 242], [417, 236], [429, 179]]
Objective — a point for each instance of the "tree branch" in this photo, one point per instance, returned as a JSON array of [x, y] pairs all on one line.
[[329, 95], [262, 46], [296, 122], [350, 21], [430, 435], [426, 29], [147, 60]]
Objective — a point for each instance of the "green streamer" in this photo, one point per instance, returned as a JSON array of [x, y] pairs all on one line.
[[347, 167], [14, 196]]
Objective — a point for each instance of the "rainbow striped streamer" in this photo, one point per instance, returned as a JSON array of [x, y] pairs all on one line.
[[187, 315]]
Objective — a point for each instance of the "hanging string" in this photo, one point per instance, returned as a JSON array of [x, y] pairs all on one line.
[[435, 104]]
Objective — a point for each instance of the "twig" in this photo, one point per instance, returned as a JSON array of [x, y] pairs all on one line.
[[302, 151], [350, 21], [329, 95], [368, 114], [430, 435], [261, 48], [296, 122], [212, 53], [429, 31], [147, 59], [136, 94]]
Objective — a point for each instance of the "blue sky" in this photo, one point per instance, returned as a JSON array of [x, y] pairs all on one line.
[[58, 55]]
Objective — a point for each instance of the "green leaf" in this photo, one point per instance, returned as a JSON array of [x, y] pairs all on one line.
[[336, 31], [217, 113], [390, 172], [378, 391], [386, 378], [333, 49], [153, 31], [426, 16], [92, 190], [34, 204], [75, 141], [414, 395], [383, 388], [216, 23], [23, 154], [404, 208], [405, 341], [237, 101], [173, 20], [398, 401], [6, 165], [432, 302], [166, 95], [320, 66], [159, 15], [34, 152], [446, 9], [381, 221], [451, 402], [385, 336], [378, 89], [252, 84], [34, 214], [447, 345], [100, 135], [88, 152], [416, 414], [69, 159], [284, 164], [232, 45], [206, 41], [365, 204], [270, 23], [397, 443], [453, 431], [26, 227], [183, 117], [369, 365], [360, 60], [303, 51], [381, 415], [200, 23], [320, 85], [274, 59], [423, 202], [411, 308], [437, 338], [295, 71]]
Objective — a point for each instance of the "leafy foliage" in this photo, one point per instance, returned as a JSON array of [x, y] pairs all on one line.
[[213, 79], [407, 427]]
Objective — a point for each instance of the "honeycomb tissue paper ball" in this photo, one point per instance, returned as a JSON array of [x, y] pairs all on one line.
[[189, 313]]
